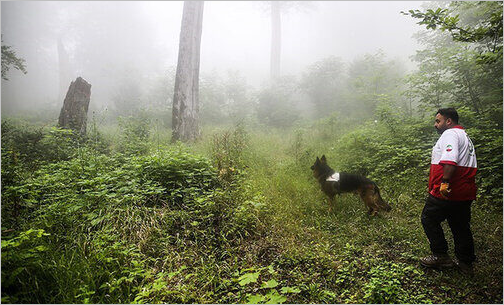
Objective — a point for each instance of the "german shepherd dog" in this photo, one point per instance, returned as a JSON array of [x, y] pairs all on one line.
[[333, 183]]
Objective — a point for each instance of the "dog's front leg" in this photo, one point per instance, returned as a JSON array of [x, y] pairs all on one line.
[[330, 203]]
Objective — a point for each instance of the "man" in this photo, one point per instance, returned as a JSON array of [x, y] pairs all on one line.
[[452, 189]]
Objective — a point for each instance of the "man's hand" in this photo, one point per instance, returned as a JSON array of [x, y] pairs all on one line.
[[444, 189]]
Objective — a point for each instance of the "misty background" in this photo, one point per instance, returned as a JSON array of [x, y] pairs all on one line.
[[128, 51], [157, 197]]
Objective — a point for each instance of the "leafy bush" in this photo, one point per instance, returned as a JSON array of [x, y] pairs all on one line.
[[34, 145], [385, 284], [181, 174], [392, 147], [94, 204], [487, 139], [95, 139], [22, 263], [276, 106], [134, 134], [227, 152]]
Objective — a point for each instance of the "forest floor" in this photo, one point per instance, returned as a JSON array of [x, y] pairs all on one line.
[[265, 237]]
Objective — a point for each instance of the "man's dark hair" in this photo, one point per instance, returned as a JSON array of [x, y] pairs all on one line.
[[449, 113]]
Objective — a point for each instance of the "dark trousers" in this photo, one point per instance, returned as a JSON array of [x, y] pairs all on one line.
[[458, 214]]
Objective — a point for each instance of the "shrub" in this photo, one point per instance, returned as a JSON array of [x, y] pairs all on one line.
[[276, 106], [22, 265], [181, 174], [487, 139], [34, 145], [134, 134], [386, 282], [227, 152]]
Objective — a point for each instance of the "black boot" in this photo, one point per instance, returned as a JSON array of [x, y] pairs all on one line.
[[465, 268]]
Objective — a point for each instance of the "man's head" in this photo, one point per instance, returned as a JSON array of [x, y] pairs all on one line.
[[446, 118]]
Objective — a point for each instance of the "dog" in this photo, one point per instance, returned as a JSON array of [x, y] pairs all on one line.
[[333, 183]]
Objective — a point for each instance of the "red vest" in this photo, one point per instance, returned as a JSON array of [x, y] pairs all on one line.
[[454, 147]]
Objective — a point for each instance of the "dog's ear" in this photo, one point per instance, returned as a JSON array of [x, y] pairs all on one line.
[[323, 159], [317, 161]]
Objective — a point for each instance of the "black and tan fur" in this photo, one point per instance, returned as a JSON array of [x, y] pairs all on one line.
[[367, 189]]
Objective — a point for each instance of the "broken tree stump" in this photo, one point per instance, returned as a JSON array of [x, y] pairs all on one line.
[[73, 115]]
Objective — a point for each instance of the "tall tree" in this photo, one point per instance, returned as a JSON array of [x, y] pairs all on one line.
[[277, 9], [185, 111]]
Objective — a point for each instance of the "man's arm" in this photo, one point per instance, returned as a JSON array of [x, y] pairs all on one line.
[[448, 171]]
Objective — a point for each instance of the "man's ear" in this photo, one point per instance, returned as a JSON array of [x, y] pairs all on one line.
[[449, 122], [323, 159]]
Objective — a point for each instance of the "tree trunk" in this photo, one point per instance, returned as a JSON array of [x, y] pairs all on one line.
[[185, 112], [73, 115], [276, 40]]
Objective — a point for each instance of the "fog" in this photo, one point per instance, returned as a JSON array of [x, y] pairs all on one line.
[[130, 48]]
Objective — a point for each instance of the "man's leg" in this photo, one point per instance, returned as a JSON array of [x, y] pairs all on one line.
[[459, 221], [433, 214]]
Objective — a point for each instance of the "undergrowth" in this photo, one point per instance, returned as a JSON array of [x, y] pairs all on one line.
[[236, 218]]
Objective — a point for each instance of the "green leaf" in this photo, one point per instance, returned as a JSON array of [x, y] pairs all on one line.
[[290, 290], [270, 269], [275, 297], [172, 274], [270, 284], [255, 299], [248, 278]]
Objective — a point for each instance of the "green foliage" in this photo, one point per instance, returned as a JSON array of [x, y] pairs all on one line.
[[487, 139], [369, 77], [385, 284], [353, 89], [224, 100], [466, 68], [269, 289], [489, 30], [21, 262], [276, 104], [393, 146], [34, 145], [165, 228], [134, 134], [324, 84], [95, 139], [11, 60], [25, 148], [248, 278], [227, 152], [181, 174]]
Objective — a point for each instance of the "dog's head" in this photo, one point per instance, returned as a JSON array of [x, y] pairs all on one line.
[[379, 200], [320, 167]]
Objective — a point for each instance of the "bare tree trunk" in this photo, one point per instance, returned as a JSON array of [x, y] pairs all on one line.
[[185, 112], [73, 114], [276, 40]]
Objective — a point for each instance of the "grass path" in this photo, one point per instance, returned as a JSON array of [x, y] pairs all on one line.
[[369, 259]]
